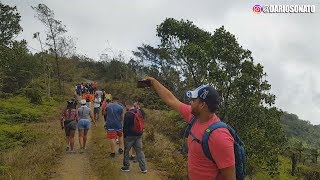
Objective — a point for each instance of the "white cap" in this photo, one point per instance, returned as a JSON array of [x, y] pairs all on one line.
[[194, 94], [83, 102]]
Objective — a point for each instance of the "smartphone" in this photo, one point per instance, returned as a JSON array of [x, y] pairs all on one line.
[[144, 84]]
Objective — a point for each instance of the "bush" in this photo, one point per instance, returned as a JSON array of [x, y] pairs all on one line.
[[34, 95], [163, 135], [19, 110], [309, 173], [12, 136]]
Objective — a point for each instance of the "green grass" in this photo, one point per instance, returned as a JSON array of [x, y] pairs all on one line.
[[29, 143], [18, 109]]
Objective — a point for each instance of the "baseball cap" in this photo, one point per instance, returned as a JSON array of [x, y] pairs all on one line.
[[83, 102], [206, 93]]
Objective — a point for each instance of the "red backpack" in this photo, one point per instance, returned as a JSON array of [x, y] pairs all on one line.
[[138, 125]]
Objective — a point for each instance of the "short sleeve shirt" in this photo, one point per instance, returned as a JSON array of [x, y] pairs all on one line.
[[221, 145]]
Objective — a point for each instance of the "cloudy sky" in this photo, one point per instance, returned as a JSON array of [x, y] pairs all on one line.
[[286, 44]]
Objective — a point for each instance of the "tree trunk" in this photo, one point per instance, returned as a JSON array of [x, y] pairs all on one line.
[[293, 164]]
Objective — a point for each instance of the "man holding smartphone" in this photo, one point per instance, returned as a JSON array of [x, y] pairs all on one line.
[[204, 102]]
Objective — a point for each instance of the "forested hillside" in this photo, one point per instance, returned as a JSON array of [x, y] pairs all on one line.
[[33, 83]]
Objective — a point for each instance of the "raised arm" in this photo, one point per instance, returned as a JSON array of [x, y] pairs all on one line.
[[165, 94]]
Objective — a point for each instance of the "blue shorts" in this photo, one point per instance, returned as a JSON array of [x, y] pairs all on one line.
[[83, 124]]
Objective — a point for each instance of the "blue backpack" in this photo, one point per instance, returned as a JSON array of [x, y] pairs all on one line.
[[239, 152]]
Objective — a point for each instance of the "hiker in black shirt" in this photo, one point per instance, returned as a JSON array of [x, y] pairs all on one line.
[[132, 138]]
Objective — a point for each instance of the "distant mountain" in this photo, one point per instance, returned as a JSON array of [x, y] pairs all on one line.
[[304, 131]]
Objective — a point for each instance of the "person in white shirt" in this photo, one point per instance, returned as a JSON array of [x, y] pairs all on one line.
[[97, 102]]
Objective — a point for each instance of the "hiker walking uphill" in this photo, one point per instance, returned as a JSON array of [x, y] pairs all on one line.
[[133, 129], [84, 114], [114, 116], [96, 110], [200, 114], [69, 121]]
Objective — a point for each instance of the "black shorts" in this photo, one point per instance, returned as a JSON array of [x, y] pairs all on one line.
[[69, 126]]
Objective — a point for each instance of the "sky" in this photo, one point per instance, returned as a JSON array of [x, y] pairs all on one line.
[[287, 45]]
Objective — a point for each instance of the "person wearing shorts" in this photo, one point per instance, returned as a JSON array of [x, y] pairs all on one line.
[[84, 114], [69, 120], [114, 118]]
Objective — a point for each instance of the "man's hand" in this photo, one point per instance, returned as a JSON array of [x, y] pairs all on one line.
[[164, 93], [62, 127]]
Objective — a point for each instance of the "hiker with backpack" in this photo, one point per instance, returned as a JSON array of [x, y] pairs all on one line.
[[214, 149], [133, 129], [69, 120], [114, 118], [138, 106], [85, 115]]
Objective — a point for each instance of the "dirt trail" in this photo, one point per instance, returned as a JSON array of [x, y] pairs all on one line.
[[134, 173], [77, 166]]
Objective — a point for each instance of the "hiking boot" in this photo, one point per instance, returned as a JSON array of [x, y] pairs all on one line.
[[120, 150], [67, 148], [125, 169], [144, 171], [81, 150], [113, 155]]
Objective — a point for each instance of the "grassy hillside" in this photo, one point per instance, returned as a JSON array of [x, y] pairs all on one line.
[[301, 130]]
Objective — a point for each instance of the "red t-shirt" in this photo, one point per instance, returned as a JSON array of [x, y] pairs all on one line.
[[220, 145]]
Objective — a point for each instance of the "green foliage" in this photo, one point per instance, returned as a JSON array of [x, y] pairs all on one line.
[[300, 130], [15, 135], [9, 26], [19, 110], [18, 67], [201, 57], [34, 95], [128, 90], [161, 143], [310, 173]]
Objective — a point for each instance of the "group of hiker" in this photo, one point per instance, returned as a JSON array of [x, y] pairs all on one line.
[[82, 88], [214, 149], [123, 125]]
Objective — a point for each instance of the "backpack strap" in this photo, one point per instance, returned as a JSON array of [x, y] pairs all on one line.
[[183, 148], [206, 135], [190, 124]]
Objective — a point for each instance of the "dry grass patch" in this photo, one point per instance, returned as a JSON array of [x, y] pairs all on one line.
[[99, 156]]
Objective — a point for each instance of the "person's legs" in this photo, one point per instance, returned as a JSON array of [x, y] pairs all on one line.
[[128, 143], [140, 155], [67, 132], [120, 137], [81, 132], [71, 139], [111, 135], [96, 114], [85, 132], [72, 126], [85, 138]]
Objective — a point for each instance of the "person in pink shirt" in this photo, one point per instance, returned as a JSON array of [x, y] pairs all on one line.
[[204, 102]]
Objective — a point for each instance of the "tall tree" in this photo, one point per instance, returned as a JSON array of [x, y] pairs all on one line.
[[9, 26], [216, 58], [47, 69], [55, 30]]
